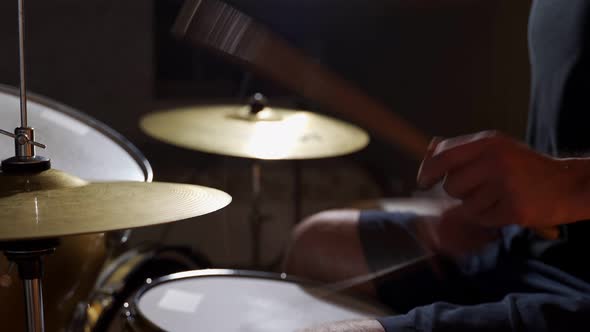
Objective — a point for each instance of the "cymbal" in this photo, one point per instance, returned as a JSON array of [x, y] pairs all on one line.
[[55, 204], [272, 133]]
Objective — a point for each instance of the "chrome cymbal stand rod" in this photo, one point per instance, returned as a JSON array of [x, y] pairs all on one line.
[[27, 255], [297, 191], [22, 68], [34, 305], [257, 103], [24, 136]]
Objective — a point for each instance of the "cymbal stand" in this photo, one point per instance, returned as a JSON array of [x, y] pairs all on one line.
[[27, 254], [297, 191], [257, 104], [256, 217], [25, 159]]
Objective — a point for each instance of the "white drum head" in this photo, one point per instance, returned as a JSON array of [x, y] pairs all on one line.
[[76, 143], [232, 303]]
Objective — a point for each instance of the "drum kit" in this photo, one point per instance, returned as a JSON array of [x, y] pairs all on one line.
[[54, 212]]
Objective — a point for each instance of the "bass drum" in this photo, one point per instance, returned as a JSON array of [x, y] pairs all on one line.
[[238, 301], [82, 146], [121, 278]]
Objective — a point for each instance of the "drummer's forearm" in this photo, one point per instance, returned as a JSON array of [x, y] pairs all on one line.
[[348, 326], [577, 178]]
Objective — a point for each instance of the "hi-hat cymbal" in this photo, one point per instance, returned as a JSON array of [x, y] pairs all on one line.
[[272, 133], [55, 204]]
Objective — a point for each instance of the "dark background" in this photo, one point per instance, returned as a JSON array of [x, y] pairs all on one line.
[[450, 67]]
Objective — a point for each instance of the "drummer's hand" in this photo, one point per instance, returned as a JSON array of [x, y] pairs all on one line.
[[501, 181]]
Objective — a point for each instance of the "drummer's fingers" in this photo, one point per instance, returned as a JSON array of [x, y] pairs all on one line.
[[463, 181], [452, 153], [476, 203], [429, 152]]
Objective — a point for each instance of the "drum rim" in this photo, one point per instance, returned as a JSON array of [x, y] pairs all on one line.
[[109, 132], [135, 316]]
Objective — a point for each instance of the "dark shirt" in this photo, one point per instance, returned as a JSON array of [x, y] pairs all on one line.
[[560, 59], [559, 43], [525, 283]]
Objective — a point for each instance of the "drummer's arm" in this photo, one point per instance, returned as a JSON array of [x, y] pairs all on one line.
[[501, 181], [349, 326]]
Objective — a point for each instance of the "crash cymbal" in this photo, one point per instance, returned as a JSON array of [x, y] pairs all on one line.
[[269, 133], [55, 204]]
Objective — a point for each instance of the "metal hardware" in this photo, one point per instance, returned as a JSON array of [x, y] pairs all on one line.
[[21, 52], [34, 305], [257, 103], [23, 139], [28, 256], [24, 136]]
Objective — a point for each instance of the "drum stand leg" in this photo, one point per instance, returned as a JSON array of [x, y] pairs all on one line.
[[256, 218], [34, 305], [29, 258], [297, 192], [255, 215]]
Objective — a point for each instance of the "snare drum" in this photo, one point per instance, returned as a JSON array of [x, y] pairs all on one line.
[[82, 146], [232, 301]]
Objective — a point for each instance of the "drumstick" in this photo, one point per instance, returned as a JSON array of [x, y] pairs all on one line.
[[227, 31], [333, 289], [340, 286]]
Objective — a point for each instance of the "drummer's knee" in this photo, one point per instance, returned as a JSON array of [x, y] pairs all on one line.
[[316, 241]]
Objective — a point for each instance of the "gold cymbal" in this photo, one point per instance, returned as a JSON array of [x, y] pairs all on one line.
[[273, 133], [51, 179], [55, 204]]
